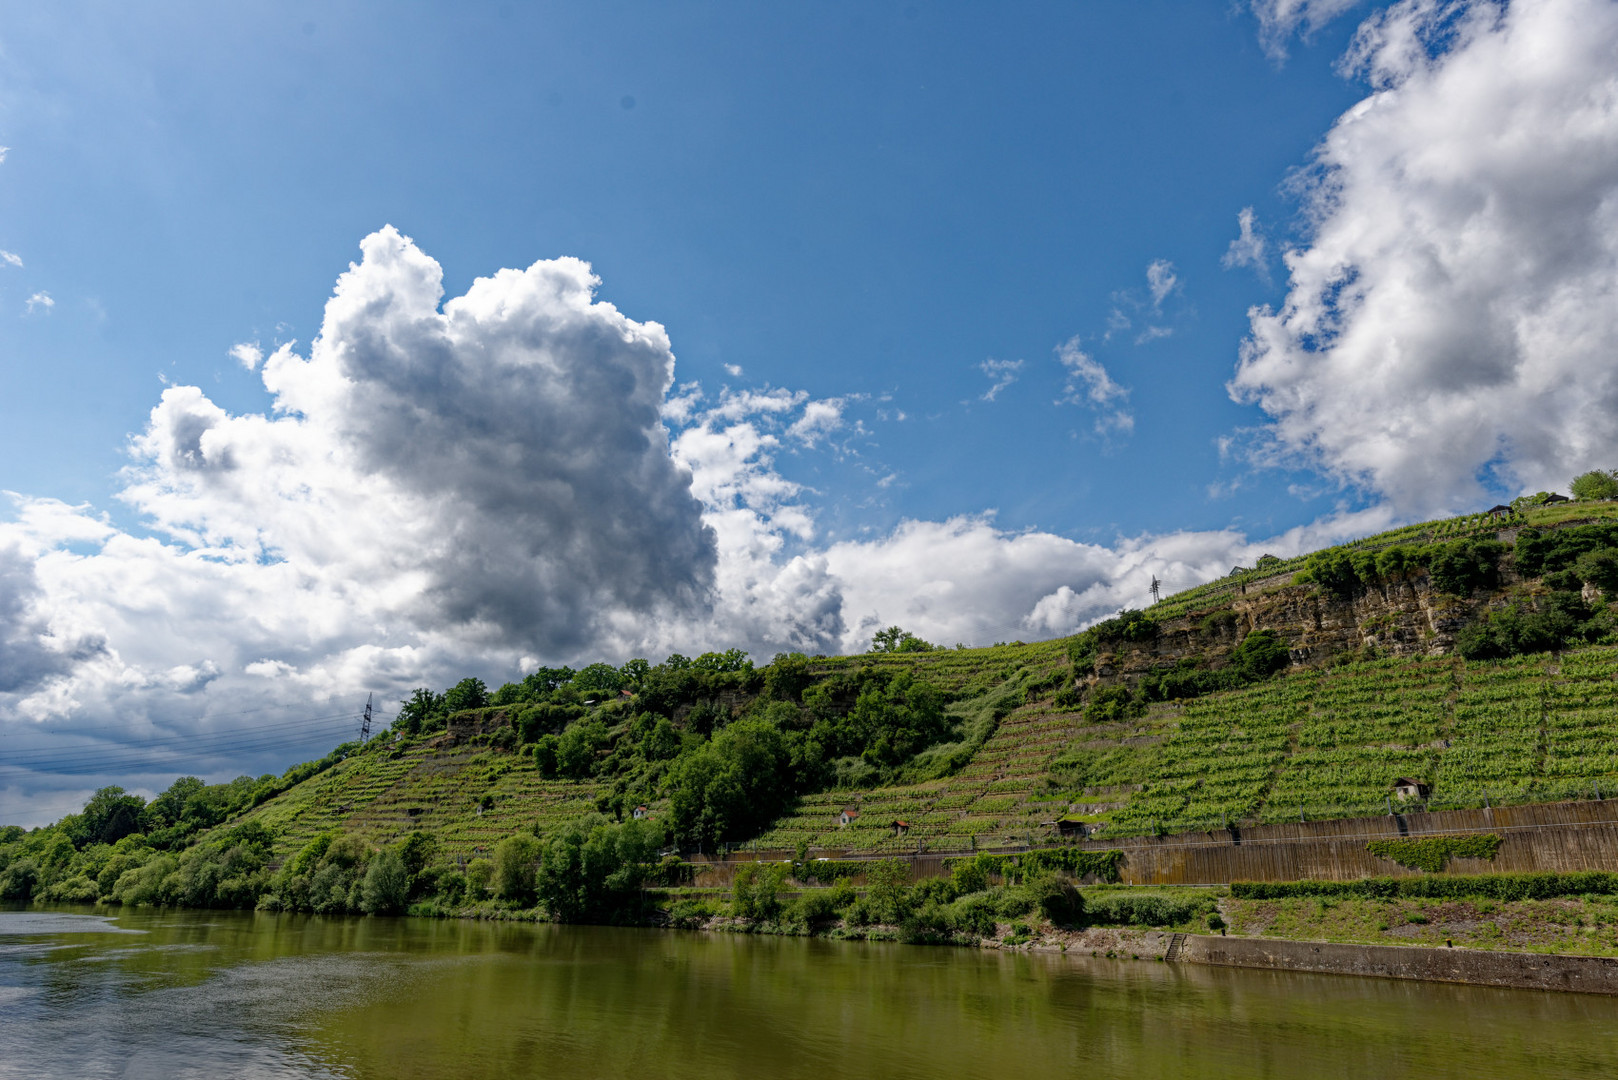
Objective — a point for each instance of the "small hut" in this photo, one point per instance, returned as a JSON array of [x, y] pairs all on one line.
[[1406, 788], [899, 827], [639, 812], [847, 816]]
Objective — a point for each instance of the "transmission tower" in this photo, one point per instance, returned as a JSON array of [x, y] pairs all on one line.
[[365, 722], [1156, 585]]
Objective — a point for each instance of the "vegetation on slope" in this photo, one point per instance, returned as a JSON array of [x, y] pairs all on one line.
[[533, 793]]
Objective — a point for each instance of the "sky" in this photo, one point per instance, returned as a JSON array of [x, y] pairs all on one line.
[[346, 349]]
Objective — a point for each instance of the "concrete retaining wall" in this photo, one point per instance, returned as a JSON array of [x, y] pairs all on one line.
[[1528, 971], [1539, 836]]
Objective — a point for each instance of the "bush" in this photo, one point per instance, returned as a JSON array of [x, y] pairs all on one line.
[[755, 891], [1057, 899], [1440, 887], [820, 905], [1141, 909]]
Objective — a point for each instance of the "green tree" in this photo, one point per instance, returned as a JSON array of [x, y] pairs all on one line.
[[578, 747], [386, 887], [469, 693], [598, 678], [109, 816], [514, 865], [1599, 568], [421, 711], [896, 639], [1595, 484], [634, 672]]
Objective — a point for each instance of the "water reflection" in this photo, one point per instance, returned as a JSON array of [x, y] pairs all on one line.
[[273, 996]]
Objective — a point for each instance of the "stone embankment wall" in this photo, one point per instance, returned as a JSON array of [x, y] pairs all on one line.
[[1536, 837], [1560, 837], [1528, 971]]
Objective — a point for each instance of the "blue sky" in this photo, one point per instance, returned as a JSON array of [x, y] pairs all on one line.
[[349, 349], [855, 199]]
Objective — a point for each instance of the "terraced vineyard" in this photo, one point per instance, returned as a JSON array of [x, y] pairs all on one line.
[[1314, 744], [1331, 744], [469, 799]]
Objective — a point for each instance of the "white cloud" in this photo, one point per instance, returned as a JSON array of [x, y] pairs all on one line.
[[1001, 373], [1249, 248], [1162, 280], [1088, 383], [733, 370], [461, 488], [1454, 316], [40, 301], [248, 355], [11, 258], [820, 418], [1278, 20]]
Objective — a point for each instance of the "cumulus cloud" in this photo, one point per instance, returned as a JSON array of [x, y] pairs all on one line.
[[247, 354], [471, 487], [40, 301], [1279, 20], [11, 258], [1250, 247], [1001, 373], [1449, 327], [1089, 384]]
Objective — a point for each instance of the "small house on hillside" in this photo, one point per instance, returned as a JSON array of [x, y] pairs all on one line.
[[1068, 828], [1405, 788], [1499, 510], [1553, 497], [848, 815], [899, 827], [639, 812], [1237, 571]]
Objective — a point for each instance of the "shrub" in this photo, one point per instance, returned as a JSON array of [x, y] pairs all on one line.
[[1431, 853], [1141, 909], [1440, 887], [1057, 899]]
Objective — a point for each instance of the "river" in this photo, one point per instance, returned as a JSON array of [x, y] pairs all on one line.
[[166, 994]]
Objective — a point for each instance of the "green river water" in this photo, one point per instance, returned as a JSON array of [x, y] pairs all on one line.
[[217, 994]]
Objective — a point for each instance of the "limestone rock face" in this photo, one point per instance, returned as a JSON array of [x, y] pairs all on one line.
[[1403, 618]]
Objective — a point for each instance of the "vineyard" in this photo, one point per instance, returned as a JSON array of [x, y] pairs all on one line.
[[1030, 761]]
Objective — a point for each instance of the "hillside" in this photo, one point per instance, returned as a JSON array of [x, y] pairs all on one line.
[[1476, 656], [1373, 691]]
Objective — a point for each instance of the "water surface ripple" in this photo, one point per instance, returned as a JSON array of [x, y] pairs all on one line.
[[182, 994]]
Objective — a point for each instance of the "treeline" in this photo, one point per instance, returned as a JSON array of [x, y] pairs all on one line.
[[85, 857]]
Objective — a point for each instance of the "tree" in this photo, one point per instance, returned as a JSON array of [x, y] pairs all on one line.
[[466, 694], [386, 886], [634, 672], [896, 639], [1596, 484], [598, 678], [514, 859], [418, 712], [109, 816]]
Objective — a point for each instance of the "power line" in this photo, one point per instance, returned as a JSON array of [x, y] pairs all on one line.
[[203, 738]]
